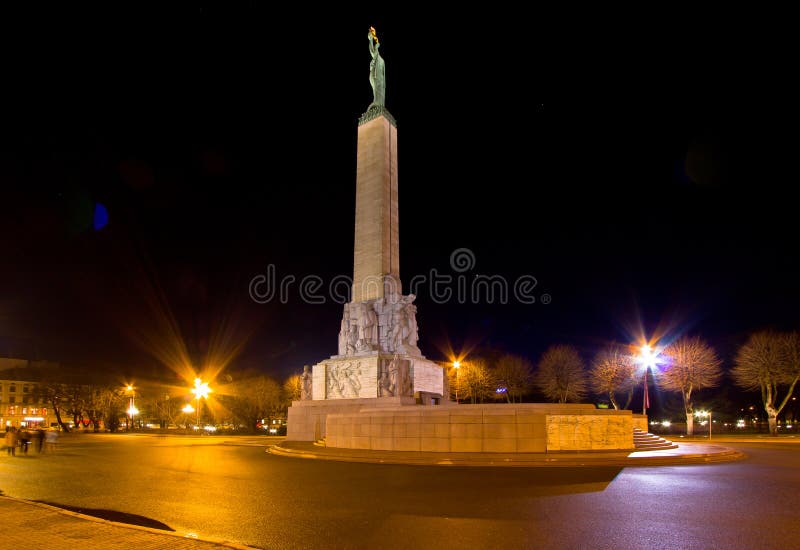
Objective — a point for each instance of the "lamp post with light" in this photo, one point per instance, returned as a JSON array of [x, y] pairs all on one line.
[[132, 410], [703, 414], [647, 357], [187, 410], [200, 389]]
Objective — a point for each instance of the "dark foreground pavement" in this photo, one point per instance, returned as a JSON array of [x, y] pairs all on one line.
[[35, 525], [41, 526]]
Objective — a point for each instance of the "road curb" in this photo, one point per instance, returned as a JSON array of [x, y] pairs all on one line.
[[525, 460]]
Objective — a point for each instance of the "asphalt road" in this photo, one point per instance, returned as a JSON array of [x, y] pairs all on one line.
[[239, 492]]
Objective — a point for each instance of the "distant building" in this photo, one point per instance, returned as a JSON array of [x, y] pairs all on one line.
[[21, 403], [22, 407]]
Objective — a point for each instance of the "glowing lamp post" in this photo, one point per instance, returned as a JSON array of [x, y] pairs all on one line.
[[647, 357], [187, 410], [704, 414], [456, 365], [200, 389], [132, 410]]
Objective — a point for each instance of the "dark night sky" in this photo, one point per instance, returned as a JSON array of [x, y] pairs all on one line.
[[627, 167]]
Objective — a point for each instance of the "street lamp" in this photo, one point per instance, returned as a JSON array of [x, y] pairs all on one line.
[[649, 358], [188, 409], [456, 365], [703, 414], [132, 410], [200, 389]]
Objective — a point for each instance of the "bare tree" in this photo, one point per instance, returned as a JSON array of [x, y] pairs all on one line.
[[769, 362], [56, 395], [560, 375], [252, 398], [515, 374], [691, 365], [292, 389], [473, 380], [613, 371]]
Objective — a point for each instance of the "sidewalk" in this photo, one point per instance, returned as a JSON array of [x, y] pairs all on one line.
[[41, 526], [686, 453]]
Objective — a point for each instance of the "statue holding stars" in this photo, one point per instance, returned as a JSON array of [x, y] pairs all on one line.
[[377, 70]]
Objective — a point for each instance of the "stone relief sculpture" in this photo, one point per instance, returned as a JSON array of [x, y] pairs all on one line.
[[377, 70], [387, 324], [334, 386], [350, 377], [344, 380], [306, 384]]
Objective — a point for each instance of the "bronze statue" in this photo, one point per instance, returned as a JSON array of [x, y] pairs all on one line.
[[377, 71]]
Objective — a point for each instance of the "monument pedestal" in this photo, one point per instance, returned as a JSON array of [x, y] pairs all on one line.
[[376, 374]]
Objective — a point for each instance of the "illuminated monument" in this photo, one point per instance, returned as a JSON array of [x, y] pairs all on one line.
[[378, 358], [379, 392]]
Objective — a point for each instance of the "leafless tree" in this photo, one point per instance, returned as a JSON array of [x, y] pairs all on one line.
[[560, 375], [613, 371], [292, 389], [515, 374], [691, 365], [769, 362], [253, 397], [473, 380], [56, 396]]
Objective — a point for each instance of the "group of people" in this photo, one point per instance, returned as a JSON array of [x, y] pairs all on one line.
[[23, 438]]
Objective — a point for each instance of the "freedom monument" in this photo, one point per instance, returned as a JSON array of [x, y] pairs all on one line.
[[379, 391]]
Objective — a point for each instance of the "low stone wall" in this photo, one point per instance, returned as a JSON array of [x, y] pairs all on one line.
[[306, 420], [501, 428]]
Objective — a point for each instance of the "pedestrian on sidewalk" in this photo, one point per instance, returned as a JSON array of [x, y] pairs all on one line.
[[11, 440], [24, 440], [50, 438], [39, 440]]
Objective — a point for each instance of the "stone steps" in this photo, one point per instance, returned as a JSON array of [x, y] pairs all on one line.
[[645, 441]]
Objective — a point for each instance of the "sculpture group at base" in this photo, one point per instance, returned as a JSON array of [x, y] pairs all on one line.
[[387, 324]]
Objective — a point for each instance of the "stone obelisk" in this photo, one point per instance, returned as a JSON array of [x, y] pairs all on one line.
[[376, 262]]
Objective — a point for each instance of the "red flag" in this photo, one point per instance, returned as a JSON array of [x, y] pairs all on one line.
[[646, 399]]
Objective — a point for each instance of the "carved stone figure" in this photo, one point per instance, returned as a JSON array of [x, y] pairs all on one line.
[[399, 324], [377, 70], [334, 384], [350, 378], [394, 375], [384, 384], [413, 331], [344, 332], [399, 377], [307, 381], [369, 325], [352, 337]]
